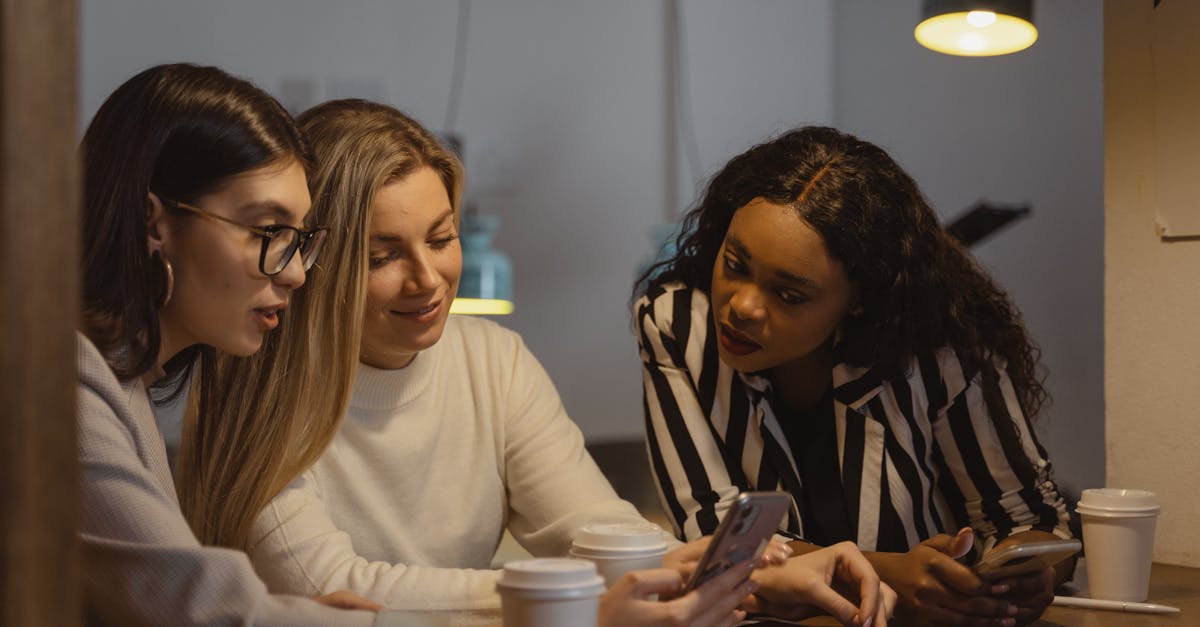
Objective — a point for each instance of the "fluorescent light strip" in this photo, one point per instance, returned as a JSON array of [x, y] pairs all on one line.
[[481, 306]]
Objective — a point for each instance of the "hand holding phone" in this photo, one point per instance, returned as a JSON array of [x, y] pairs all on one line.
[[743, 534], [1023, 559]]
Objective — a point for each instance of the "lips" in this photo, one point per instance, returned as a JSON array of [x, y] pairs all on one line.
[[422, 314], [268, 317], [736, 343]]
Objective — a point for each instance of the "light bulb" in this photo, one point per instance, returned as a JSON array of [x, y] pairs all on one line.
[[981, 19]]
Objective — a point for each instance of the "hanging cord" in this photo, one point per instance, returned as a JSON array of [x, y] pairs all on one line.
[[671, 111], [683, 99], [460, 66]]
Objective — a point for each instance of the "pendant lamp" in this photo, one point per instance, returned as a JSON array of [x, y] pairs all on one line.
[[486, 285], [976, 28]]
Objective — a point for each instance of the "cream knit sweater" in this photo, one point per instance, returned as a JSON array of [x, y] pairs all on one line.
[[433, 461]]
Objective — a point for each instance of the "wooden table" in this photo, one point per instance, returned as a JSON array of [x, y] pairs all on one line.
[[1177, 586]]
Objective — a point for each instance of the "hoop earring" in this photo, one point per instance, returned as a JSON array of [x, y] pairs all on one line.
[[170, 276]]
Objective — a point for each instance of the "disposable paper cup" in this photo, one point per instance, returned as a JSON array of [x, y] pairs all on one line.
[[619, 548], [1118, 535], [549, 592]]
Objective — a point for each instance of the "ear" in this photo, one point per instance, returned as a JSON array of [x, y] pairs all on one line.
[[157, 230]]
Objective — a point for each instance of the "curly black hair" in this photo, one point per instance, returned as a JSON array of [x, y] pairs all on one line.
[[918, 288]]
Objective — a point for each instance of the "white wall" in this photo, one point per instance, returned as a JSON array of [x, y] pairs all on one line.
[[1153, 361], [751, 70], [1020, 128], [576, 121], [562, 115]]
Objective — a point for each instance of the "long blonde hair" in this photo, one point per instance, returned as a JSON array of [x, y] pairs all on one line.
[[278, 409]]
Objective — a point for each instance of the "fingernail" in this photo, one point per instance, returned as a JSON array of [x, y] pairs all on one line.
[[1013, 609], [787, 549], [751, 587], [1000, 588], [867, 623], [741, 615]]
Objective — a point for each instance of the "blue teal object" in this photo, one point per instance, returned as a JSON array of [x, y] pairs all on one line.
[[663, 236], [486, 285]]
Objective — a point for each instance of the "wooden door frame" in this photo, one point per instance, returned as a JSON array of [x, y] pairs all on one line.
[[39, 308]]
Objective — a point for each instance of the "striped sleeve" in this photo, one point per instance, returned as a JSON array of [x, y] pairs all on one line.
[[989, 447], [694, 482]]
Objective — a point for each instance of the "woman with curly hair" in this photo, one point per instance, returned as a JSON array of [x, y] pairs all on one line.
[[818, 332]]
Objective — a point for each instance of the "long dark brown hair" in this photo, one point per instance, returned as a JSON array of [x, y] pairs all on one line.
[[182, 131], [918, 288], [179, 130]]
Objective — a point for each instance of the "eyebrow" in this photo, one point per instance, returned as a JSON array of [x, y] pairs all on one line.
[[387, 238], [740, 248], [797, 279], [448, 214], [267, 207]]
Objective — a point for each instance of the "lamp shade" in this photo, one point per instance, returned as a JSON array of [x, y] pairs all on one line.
[[486, 286], [976, 28]]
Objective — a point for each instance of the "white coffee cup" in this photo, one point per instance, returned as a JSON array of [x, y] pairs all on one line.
[[550, 592], [618, 548], [1118, 539]]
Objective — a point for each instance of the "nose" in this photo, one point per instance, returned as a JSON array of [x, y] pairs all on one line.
[[423, 276], [747, 303], [293, 275]]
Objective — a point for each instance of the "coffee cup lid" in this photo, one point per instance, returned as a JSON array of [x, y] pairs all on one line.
[[1118, 500], [625, 536], [552, 574]]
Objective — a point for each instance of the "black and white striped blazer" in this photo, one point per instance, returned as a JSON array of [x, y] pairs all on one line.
[[918, 457]]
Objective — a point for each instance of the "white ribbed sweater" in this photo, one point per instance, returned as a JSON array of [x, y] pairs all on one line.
[[409, 503]]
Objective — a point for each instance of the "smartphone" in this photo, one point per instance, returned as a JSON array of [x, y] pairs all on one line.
[[743, 534], [1023, 559]]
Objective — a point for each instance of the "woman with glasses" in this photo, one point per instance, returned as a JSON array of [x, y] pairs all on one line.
[[195, 210], [454, 432], [818, 332]]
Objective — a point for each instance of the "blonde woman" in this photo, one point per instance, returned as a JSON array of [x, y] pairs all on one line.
[[453, 432]]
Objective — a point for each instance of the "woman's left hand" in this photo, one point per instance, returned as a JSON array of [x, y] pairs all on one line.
[[1031, 594], [629, 602], [684, 559], [837, 580]]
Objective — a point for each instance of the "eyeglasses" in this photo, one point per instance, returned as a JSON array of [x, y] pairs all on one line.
[[279, 242]]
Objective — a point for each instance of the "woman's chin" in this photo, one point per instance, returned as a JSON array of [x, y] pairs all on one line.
[[752, 362], [241, 347]]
